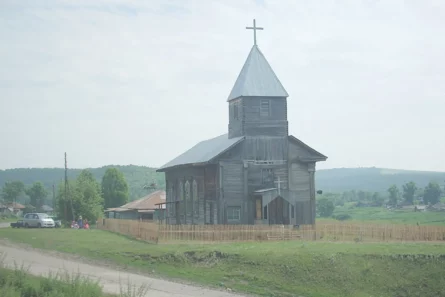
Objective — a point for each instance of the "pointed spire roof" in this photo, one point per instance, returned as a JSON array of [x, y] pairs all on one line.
[[257, 78]]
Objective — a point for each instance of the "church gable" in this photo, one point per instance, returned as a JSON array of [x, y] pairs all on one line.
[[299, 151]]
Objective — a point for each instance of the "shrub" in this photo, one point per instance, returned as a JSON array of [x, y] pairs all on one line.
[[342, 217]]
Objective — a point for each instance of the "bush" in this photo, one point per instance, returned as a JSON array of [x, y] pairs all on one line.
[[325, 207], [342, 217]]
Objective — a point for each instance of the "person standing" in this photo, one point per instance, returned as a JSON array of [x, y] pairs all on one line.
[[80, 222]]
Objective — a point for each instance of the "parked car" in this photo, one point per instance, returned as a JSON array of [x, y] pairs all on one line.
[[57, 221], [39, 220], [18, 224]]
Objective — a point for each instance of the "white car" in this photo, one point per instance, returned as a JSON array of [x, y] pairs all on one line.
[[39, 220]]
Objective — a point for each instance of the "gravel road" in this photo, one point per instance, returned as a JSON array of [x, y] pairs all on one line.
[[41, 263]]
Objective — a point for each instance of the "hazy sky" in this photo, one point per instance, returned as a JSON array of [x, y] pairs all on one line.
[[139, 82]]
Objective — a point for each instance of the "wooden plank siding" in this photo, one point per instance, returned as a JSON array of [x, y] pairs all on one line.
[[232, 189], [195, 210], [247, 118], [302, 184], [236, 116]]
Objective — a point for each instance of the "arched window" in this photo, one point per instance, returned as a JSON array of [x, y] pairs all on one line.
[[187, 198], [181, 198], [195, 198], [180, 195]]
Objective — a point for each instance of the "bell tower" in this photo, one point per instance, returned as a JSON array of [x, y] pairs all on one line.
[[258, 100]]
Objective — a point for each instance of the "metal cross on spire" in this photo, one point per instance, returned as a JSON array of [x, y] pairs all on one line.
[[254, 28]]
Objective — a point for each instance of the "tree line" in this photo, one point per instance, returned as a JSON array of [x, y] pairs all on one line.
[[83, 195], [136, 176], [408, 194]]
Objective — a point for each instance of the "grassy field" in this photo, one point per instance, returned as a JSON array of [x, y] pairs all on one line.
[[309, 269], [18, 282], [382, 215]]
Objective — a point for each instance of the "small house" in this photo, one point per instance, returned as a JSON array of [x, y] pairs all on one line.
[[146, 208]]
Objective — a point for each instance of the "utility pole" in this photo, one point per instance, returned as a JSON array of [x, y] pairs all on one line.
[[54, 197], [66, 188]]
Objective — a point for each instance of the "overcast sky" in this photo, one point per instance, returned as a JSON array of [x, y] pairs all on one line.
[[139, 82]]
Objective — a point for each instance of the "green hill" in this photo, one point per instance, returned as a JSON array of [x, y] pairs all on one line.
[[372, 179], [329, 180], [136, 176]]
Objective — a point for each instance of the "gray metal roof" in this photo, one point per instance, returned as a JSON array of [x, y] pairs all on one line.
[[204, 151], [257, 78]]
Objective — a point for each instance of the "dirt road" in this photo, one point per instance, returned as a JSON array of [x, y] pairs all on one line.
[[41, 263]]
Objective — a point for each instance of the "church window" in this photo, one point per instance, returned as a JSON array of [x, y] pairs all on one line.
[[233, 213], [265, 212], [265, 108], [180, 194], [267, 175], [195, 197], [187, 190], [235, 112], [181, 198], [187, 197]]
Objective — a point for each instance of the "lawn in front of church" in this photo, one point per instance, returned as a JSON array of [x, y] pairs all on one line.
[[291, 268]]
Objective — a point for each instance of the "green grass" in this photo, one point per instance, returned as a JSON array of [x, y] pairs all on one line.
[[381, 215], [310, 269], [19, 283]]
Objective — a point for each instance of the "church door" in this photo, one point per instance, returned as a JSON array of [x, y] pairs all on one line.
[[279, 212]]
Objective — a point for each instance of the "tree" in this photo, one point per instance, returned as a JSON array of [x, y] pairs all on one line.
[[432, 193], [376, 199], [37, 193], [114, 188], [325, 207], [84, 198], [393, 195], [12, 190], [409, 191]]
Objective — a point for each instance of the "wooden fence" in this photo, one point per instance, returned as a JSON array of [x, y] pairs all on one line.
[[152, 232], [146, 231]]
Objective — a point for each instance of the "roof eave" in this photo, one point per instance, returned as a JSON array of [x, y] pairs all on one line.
[[321, 156], [164, 169], [253, 96], [306, 160]]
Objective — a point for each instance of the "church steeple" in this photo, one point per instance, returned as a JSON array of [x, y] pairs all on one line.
[[258, 100], [257, 78]]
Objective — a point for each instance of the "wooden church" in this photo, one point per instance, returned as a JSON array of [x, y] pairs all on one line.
[[256, 173]]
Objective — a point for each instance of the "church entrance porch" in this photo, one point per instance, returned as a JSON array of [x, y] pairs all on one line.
[[272, 208], [279, 210]]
